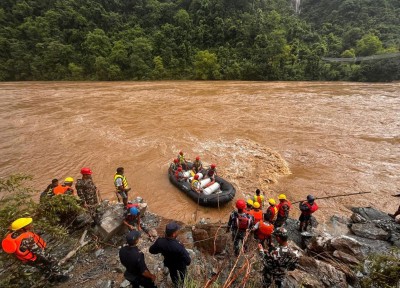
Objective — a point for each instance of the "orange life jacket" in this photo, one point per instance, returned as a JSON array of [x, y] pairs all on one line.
[[264, 230], [258, 215], [26, 255], [258, 199], [281, 212], [60, 190]]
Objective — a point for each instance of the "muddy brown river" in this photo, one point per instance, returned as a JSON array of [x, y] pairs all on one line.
[[296, 138]]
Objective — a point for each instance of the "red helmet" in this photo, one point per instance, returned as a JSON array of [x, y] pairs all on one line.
[[196, 176], [213, 166], [180, 152], [198, 158], [179, 168], [176, 160], [86, 171], [240, 204]]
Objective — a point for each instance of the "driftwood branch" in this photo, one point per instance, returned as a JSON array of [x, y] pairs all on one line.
[[73, 252]]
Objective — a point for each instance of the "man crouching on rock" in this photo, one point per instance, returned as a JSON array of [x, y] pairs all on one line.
[[133, 260]]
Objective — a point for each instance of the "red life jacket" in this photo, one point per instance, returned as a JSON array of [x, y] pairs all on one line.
[[281, 212], [12, 245], [257, 216], [273, 212], [60, 190], [131, 205], [264, 230], [311, 208], [242, 222], [177, 175]]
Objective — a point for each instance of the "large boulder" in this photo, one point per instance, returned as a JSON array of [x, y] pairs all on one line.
[[370, 214], [369, 230], [345, 258], [347, 245], [111, 221], [210, 238]]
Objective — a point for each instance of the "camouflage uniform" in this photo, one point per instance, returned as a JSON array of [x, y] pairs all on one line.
[[87, 192], [277, 261], [44, 261], [238, 235]]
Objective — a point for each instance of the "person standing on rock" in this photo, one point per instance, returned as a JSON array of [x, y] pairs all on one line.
[[272, 211], [278, 260], [259, 198], [87, 191], [29, 248], [121, 185], [239, 223], [132, 258], [176, 257], [307, 208], [283, 210]]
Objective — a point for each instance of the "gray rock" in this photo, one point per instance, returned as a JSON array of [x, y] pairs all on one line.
[[111, 222], [125, 284], [105, 284], [357, 218], [99, 252], [370, 231], [191, 253], [370, 213], [347, 245], [345, 258]]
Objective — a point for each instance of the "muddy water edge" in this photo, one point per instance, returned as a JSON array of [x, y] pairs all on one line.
[[297, 138]]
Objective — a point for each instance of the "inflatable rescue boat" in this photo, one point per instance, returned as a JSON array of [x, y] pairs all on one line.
[[214, 195]]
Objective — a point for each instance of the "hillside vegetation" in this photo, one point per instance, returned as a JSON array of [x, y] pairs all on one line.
[[197, 39]]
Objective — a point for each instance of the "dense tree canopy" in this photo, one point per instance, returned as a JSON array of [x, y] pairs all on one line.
[[197, 39]]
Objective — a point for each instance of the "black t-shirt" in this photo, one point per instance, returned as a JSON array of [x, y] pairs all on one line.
[[133, 260], [175, 254]]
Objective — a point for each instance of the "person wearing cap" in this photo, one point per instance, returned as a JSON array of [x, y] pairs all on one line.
[[29, 248], [121, 185], [272, 211], [307, 208], [259, 198], [87, 191], [278, 260], [176, 258], [132, 258], [132, 219], [48, 192], [197, 165], [283, 210]]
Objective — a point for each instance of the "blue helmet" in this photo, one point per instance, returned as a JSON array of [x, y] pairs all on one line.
[[134, 211]]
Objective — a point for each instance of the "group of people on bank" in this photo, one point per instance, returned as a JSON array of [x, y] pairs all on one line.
[[250, 216]]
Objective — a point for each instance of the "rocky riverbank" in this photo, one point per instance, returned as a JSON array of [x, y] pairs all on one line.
[[336, 254]]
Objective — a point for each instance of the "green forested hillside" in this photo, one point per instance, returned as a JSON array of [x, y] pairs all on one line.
[[197, 39]]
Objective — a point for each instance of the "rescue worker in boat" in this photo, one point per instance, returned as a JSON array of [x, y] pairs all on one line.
[[211, 173], [179, 175], [278, 260], [174, 165], [283, 210], [132, 218], [182, 160], [259, 198], [196, 185], [239, 223], [29, 248], [197, 165], [272, 211], [307, 208], [263, 231], [121, 185], [257, 212], [66, 188], [87, 191], [48, 192], [132, 258]]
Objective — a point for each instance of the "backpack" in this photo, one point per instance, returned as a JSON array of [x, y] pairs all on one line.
[[242, 222]]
